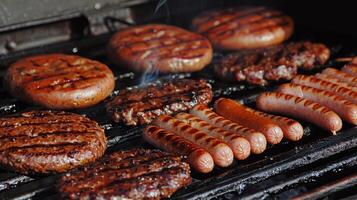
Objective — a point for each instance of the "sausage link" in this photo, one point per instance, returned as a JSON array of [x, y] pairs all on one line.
[[298, 107], [342, 76], [239, 145], [332, 79], [199, 159], [325, 85], [292, 129], [256, 139], [344, 108], [236, 112], [350, 69], [222, 154]]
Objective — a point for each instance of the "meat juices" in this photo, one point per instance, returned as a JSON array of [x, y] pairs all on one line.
[[59, 81], [261, 66], [49, 142], [238, 113], [298, 107], [245, 27], [162, 48], [130, 174], [142, 105]]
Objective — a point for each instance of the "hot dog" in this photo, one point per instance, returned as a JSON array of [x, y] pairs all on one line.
[[236, 112], [298, 107], [199, 158], [342, 76], [325, 85], [332, 79], [292, 129], [256, 139], [239, 145], [220, 151], [345, 109]]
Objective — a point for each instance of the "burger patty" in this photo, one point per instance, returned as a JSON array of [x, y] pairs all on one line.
[[271, 64], [131, 174], [142, 105], [47, 142]]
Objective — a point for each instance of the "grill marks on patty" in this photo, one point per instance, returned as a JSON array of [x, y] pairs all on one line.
[[60, 81], [136, 174], [165, 48], [142, 105], [44, 141], [271, 64]]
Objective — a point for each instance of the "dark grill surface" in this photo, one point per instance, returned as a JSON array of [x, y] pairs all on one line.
[[283, 171]]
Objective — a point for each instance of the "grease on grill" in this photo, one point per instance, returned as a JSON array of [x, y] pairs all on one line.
[[160, 48], [59, 81], [131, 174], [142, 105], [48, 142]]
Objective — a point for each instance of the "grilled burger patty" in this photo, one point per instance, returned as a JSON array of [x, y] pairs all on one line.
[[244, 27], [59, 81], [131, 174], [271, 64], [49, 141], [162, 48], [142, 105]]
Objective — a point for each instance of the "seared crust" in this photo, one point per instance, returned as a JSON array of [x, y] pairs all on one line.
[[244, 27], [60, 81], [280, 62], [142, 105], [167, 49], [131, 174], [49, 141]]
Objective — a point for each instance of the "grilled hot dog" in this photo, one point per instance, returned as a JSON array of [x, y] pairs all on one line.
[[236, 112], [220, 151], [256, 139], [294, 106], [345, 109], [199, 158], [239, 145], [342, 76]]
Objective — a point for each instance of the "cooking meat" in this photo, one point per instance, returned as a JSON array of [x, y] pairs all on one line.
[[131, 174], [142, 105], [280, 62], [49, 142]]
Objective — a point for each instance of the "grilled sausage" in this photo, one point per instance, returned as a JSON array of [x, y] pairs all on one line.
[[332, 79], [292, 129], [298, 107], [256, 139], [325, 85], [345, 109], [351, 68], [199, 158], [342, 76], [238, 113], [239, 145], [220, 151]]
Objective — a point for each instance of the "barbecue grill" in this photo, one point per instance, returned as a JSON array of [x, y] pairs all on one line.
[[319, 166]]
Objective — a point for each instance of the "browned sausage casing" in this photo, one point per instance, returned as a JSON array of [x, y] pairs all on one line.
[[236, 112], [298, 107], [256, 139], [333, 79], [292, 129], [325, 85], [199, 158], [351, 68], [239, 145], [342, 76], [345, 109], [219, 150]]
